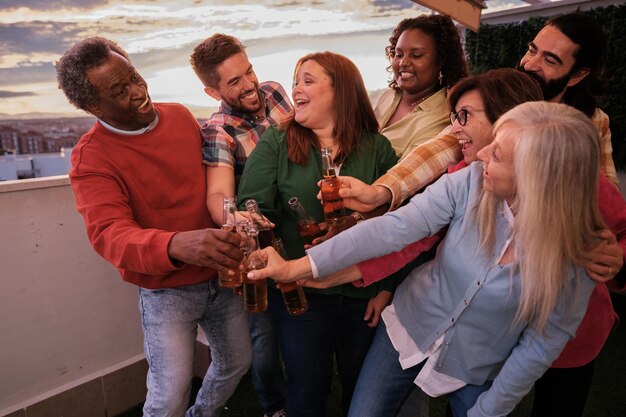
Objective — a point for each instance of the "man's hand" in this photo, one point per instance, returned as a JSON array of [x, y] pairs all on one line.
[[607, 258], [375, 307], [361, 197], [212, 248]]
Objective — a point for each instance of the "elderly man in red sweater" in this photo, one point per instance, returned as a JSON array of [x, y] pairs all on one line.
[[140, 186]]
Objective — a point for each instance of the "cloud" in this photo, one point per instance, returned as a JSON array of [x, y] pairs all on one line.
[[12, 94], [51, 4], [38, 36], [42, 73]]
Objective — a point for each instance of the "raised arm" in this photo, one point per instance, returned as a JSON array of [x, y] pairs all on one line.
[[220, 182], [118, 238], [422, 166]]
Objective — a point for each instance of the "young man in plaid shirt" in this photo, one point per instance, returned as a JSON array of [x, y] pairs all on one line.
[[247, 109]]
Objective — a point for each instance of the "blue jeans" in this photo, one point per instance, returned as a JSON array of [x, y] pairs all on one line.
[[333, 325], [267, 371], [383, 385], [170, 319]]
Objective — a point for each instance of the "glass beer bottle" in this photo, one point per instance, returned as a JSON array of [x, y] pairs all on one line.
[[293, 294], [334, 212], [266, 234], [254, 291], [307, 227], [229, 223], [241, 229]]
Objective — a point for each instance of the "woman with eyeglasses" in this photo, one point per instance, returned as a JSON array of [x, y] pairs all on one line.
[[426, 59], [487, 317]]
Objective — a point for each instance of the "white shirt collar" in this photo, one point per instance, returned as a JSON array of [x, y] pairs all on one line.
[[130, 132]]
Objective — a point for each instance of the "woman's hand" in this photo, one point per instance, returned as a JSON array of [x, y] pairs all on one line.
[[359, 196], [281, 270], [606, 260], [375, 307]]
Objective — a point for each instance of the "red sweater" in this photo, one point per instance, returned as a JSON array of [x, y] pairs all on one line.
[[600, 317], [135, 192]]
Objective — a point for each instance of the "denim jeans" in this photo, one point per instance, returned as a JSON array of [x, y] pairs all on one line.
[[267, 371], [333, 325], [383, 385], [170, 319]]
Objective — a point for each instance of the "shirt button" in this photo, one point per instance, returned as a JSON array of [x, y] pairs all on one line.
[[465, 301]]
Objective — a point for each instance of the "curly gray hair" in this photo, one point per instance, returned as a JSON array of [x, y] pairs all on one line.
[[73, 65]]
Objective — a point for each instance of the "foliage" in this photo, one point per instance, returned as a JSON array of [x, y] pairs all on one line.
[[500, 46]]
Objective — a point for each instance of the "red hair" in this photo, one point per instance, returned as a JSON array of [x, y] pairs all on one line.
[[352, 109]]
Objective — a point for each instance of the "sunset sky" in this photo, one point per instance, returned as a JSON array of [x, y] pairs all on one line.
[[160, 35]]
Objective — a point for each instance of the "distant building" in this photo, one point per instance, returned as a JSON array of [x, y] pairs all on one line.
[[9, 139], [16, 167], [31, 142]]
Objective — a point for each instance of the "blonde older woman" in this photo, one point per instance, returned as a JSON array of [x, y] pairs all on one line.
[[489, 315]]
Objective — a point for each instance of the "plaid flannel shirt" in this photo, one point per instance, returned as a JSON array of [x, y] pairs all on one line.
[[601, 122], [229, 136], [423, 165]]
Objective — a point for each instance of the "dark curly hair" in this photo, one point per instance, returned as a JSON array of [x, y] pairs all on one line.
[[73, 65], [450, 55], [210, 53]]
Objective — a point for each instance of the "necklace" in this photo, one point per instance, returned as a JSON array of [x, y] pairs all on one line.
[[418, 101]]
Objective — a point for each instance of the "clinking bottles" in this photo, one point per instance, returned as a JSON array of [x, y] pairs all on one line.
[[266, 234], [334, 212], [254, 291], [229, 223], [307, 227], [293, 294]]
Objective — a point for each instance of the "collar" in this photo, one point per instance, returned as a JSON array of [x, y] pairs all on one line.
[[130, 132]]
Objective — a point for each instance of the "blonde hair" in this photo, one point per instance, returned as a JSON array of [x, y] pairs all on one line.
[[556, 165]]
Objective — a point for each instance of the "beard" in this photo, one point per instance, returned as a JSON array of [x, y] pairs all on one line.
[[238, 104], [549, 88]]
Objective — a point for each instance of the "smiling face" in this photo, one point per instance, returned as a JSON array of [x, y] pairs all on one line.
[[476, 134], [238, 86], [414, 64], [498, 167], [313, 96], [550, 59], [123, 100]]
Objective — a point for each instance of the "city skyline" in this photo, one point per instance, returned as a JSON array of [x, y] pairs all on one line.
[[160, 34]]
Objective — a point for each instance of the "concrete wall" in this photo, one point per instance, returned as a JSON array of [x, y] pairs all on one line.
[[69, 324]]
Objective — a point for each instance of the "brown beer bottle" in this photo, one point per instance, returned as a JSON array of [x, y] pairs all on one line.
[[229, 223], [334, 212], [254, 291], [293, 294], [266, 233], [307, 227]]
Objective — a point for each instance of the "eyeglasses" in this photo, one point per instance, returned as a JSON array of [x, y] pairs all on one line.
[[461, 116]]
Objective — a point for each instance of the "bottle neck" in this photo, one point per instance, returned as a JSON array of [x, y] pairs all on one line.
[[278, 246]]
